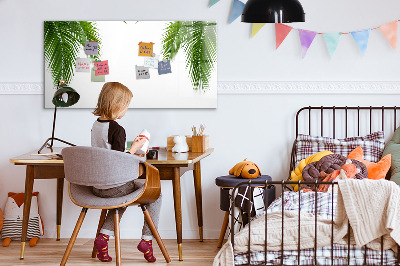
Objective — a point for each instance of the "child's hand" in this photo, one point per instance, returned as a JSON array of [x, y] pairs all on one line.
[[142, 155], [137, 144]]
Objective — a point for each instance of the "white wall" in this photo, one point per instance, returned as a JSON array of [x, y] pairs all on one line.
[[259, 127]]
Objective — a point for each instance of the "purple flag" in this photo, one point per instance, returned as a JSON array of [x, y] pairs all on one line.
[[306, 39]]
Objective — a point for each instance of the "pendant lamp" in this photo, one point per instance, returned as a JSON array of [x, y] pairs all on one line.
[[273, 11], [64, 97]]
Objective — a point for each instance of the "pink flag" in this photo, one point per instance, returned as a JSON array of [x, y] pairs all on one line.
[[306, 39], [281, 31], [389, 30]]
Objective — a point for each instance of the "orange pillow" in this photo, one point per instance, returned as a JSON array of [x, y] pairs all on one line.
[[375, 170]]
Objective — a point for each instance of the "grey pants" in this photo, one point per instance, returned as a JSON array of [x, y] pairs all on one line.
[[153, 208]]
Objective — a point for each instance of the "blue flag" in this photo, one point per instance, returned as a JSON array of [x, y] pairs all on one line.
[[361, 37], [332, 41], [237, 9]]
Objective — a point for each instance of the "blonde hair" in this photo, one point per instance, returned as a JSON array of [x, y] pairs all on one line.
[[113, 97]]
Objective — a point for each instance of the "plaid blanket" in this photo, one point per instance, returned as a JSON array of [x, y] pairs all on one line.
[[323, 205]]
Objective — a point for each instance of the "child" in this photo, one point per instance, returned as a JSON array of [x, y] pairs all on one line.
[[112, 104]]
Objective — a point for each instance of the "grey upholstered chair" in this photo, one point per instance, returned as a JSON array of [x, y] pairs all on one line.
[[85, 167]]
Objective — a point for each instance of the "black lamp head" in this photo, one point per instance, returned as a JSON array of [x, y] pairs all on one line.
[[273, 11], [65, 96]]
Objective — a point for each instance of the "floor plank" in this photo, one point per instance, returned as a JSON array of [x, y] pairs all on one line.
[[50, 252]]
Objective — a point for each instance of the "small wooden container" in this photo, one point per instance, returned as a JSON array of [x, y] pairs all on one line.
[[200, 143], [171, 143]]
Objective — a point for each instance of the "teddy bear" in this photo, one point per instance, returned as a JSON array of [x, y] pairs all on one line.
[[180, 144], [13, 215]]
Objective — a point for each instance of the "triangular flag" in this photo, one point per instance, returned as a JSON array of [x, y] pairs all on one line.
[[332, 41], [361, 37], [213, 2], [237, 9], [281, 31], [255, 28], [390, 32], [306, 39]]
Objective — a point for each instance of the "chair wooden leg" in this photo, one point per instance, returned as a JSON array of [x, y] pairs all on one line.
[[73, 237], [154, 230], [223, 229], [117, 239], [101, 222]]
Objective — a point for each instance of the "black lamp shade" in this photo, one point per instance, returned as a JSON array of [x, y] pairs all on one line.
[[60, 101], [273, 11]]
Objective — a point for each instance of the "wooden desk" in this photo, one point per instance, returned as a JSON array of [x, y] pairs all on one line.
[[171, 167]]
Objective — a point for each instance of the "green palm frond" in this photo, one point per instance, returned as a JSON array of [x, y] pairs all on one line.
[[63, 40], [199, 42]]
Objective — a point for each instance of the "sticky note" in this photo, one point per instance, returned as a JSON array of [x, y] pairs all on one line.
[[151, 62], [102, 68], [94, 78], [91, 48], [164, 67], [82, 65], [142, 72], [145, 48]]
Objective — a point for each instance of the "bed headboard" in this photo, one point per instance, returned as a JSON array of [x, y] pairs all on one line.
[[344, 121]]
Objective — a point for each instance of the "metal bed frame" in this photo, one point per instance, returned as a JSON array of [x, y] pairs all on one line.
[[284, 183]]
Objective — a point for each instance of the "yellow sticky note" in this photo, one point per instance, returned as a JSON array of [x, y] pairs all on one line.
[[145, 48]]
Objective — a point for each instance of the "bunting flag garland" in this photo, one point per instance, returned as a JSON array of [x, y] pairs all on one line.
[[306, 39], [361, 37], [389, 30], [255, 28], [213, 2], [237, 8], [281, 31], [332, 41]]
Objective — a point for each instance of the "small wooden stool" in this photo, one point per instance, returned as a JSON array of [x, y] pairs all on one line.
[[226, 183]]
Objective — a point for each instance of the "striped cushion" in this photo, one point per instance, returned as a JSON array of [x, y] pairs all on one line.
[[372, 145], [13, 228]]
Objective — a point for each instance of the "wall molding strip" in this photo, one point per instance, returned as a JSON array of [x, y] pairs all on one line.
[[259, 87]]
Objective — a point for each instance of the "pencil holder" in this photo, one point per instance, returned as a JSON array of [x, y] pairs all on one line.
[[200, 143]]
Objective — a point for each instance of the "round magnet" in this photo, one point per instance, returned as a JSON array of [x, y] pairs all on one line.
[[153, 55], [164, 60], [94, 68]]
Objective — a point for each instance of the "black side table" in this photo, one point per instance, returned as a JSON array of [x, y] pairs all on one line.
[[226, 183]]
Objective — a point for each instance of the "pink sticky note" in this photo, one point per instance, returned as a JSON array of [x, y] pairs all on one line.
[[101, 68]]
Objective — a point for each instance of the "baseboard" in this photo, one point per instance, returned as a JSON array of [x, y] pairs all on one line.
[[259, 87]]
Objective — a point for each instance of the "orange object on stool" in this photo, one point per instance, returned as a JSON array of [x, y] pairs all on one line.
[[245, 169]]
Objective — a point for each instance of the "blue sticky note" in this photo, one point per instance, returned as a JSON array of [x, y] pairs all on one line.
[[164, 68]]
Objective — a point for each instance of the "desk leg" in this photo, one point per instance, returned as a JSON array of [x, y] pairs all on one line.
[[60, 190], [27, 206], [197, 189], [176, 183]]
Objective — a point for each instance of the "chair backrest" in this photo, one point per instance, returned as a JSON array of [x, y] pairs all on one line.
[[92, 166]]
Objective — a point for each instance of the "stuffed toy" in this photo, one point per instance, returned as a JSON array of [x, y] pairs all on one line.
[[245, 169], [13, 215], [296, 174], [180, 144], [375, 170]]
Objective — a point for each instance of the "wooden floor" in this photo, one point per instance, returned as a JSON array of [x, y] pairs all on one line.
[[50, 252]]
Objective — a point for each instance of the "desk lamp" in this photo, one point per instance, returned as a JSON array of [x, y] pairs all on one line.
[[273, 11], [64, 97]]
